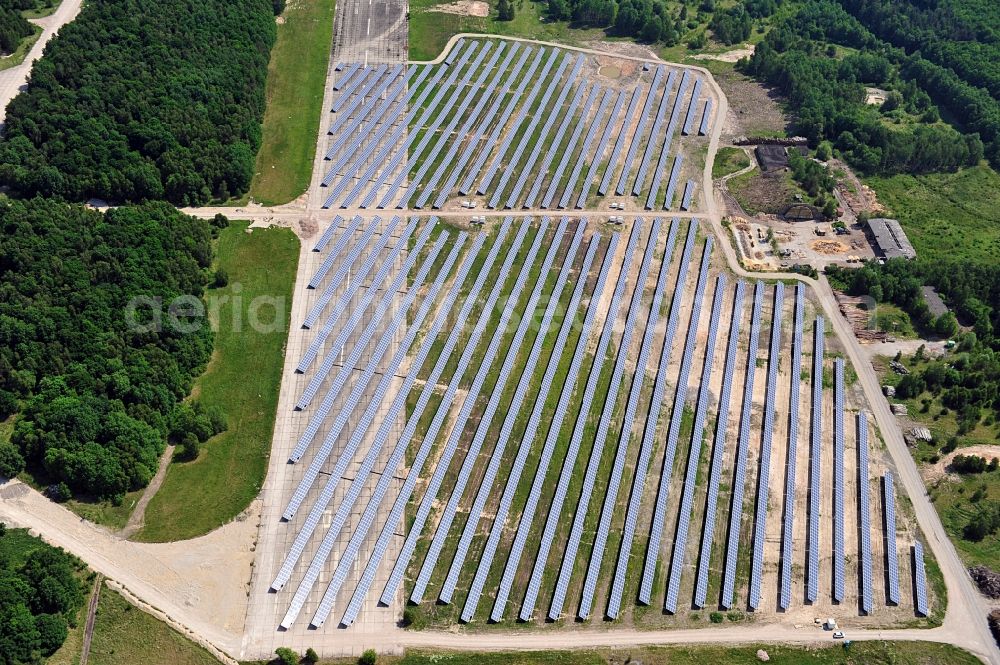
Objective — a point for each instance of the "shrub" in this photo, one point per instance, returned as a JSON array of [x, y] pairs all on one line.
[[311, 656], [11, 461], [715, 617], [286, 656], [369, 657]]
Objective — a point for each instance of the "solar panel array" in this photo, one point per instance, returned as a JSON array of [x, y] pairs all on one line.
[[534, 421], [590, 476], [377, 143], [742, 447], [815, 452], [451, 446], [698, 430], [757, 563], [649, 431], [635, 389], [864, 512], [719, 449], [565, 475], [482, 429], [663, 491], [919, 578], [838, 480], [706, 117], [891, 553], [787, 533]]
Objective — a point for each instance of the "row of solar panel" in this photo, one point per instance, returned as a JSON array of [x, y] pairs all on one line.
[[357, 141]]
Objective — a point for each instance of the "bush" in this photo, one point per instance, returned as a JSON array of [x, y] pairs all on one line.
[[369, 657], [286, 656], [715, 617], [968, 464], [11, 461], [311, 656], [8, 404], [60, 492], [221, 278]]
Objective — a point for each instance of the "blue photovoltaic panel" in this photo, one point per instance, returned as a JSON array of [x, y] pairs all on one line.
[[347, 129], [666, 469], [342, 241], [569, 382], [357, 392], [432, 111], [742, 445], [764, 472], [654, 132], [706, 117], [449, 449], [692, 107], [454, 49], [319, 560], [675, 172], [602, 145], [920, 578], [550, 118], [649, 431], [865, 553], [616, 152], [590, 477], [351, 68], [430, 131], [327, 235], [457, 114], [369, 120], [482, 429], [543, 168], [838, 479], [719, 449], [698, 430], [654, 188], [565, 475], [499, 125], [637, 136], [449, 158], [585, 149], [891, 554], [570, 147], [487, 121], [520, 459], [688, 195], [389, 145], [347, 559], [638, 377], [788, 522], [515, 160], [815, 469], [357, 278], [356, 96]]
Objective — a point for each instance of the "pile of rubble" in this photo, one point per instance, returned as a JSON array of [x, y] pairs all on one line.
[[987, 581]]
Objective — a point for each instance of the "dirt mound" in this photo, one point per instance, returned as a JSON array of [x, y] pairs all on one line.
[[829, 247]]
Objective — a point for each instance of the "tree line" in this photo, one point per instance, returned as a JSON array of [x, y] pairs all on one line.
[[96, 350], [40, 595], [142, 100], [14, 28], [828, 93]]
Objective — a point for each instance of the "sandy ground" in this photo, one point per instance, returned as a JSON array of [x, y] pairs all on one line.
[[934, 472], [203, 580], [728, 56], [464, 8]]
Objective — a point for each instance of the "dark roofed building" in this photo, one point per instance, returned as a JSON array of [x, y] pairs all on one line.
[[935, 305], [889, 239]]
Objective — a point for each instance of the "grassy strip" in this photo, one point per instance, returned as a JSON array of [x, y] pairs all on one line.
[[125, 634], [18, 56], [243, 380], [295, 83], [729, 160]]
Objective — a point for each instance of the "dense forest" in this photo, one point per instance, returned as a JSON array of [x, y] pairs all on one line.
[[40, 595], [144, 99], [96, 351], [827, 90]]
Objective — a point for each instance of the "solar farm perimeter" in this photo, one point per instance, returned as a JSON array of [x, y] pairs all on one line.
[[533, 419]]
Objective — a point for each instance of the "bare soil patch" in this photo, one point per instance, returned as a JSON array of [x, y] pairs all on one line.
[[754, 109], [464, 8], [728, 56], [829, 247]]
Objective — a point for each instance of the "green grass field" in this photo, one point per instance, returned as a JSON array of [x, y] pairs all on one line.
[[946, 214], [242, 379], [125, 634], [295, 84], [729, 160], [430, 30]]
